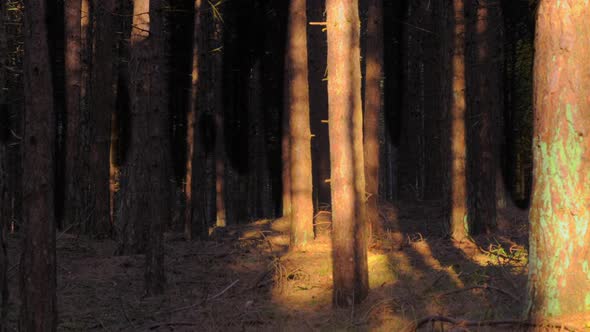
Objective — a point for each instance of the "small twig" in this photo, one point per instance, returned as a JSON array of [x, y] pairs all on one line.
[[267, 241], [205, 300], [481, 287], [155, 326], [466, 323]]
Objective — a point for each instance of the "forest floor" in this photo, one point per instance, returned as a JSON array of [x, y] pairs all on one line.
[[244, 279]]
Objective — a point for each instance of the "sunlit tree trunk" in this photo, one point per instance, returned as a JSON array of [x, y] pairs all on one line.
[[38, 310], [191, 126], [297, 110], [286, 159], [458, 216], [373, 109], [349, 231], [4, 196], [559, 286], [101, 108]]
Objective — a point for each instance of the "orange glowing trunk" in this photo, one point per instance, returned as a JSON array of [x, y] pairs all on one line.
[[349, 233]]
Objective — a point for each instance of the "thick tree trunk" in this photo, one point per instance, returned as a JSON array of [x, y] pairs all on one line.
[[373, 109], [458, 216], [559, 235], [297, 109], [101, 107], [38, 265], [346, 153]]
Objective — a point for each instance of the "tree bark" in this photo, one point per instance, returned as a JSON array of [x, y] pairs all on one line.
[[73, 78], [4, 196], [485, 102], [349, 234], [297, 110], [558, 247], [101, 107], [38, 264], [459, 229], [373, 109]]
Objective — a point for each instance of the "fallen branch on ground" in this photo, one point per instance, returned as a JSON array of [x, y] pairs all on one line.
[[481, 287], [473, 323], [205, 300]]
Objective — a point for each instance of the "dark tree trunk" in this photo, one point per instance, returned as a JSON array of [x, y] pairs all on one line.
[[4, 197], [297, 110], [38, 265], [349, 233], [558, 286], [101, 109], [373, 109], [73, 78], [485, 102]]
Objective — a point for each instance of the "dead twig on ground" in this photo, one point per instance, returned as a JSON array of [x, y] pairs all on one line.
[[480, 287], [471, 323], [205, 300], [155, 326]]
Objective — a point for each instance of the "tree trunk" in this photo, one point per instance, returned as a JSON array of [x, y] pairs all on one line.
[[346, 153], [297, 110], [101, 107], [286, 159], [191, 127], [373, 109], [73, 78], [458, 216], [485, 102], [4, 197], [558, 247], [38, 263]]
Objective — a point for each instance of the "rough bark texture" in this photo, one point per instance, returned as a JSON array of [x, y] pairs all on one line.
[[485, 103], [145, 188], [373, 109], [4, 196], [297, 109], [73, 78], [101, 109], [458, 216], [38, 265], [349, 234], [191, 127], [559, 267]]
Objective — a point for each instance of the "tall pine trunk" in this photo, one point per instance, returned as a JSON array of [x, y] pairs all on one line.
[[349, 233], [101, 109], [558, 244], [73, 79], [38, 310], [373, 109], [4, 196], [297, 110], [459, 228]]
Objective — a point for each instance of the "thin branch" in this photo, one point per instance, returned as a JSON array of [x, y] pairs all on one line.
[[481, 287], [473, 323]]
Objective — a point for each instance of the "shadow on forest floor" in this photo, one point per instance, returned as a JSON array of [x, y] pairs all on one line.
[[244, 279]]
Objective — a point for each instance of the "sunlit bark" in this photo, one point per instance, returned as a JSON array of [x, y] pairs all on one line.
[[38, 310], [349, 229], [297, 109], [458, 221], [559, 260], [373, 108]]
